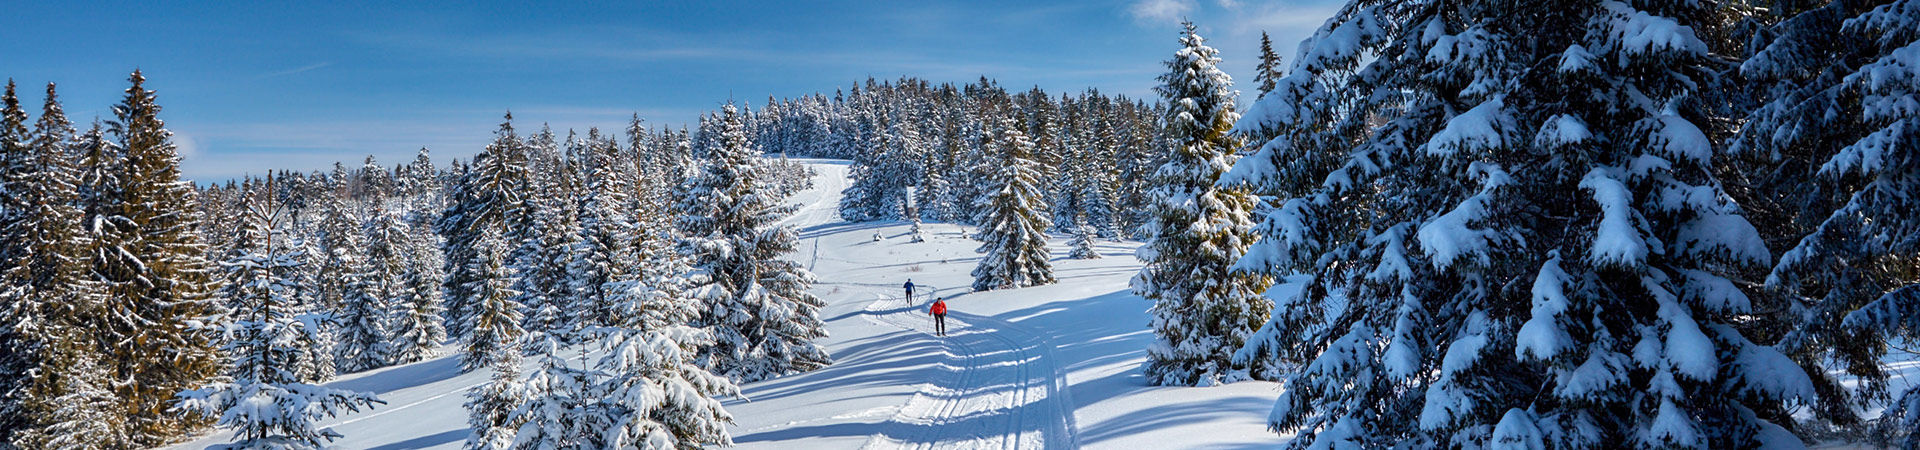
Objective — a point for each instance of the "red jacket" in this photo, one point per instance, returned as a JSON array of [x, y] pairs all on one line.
[[939, 308]]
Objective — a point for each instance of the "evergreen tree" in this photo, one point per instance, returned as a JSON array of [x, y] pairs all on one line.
[[490, 406], [21, 346], [373, 305], [1014, 229], [557, 410], [418, 328], [52, 383], [540, 267], [1554, 154], [1828, 114], [160, 281], [1268, 70], [603, 253], [1083, 237], [493, 320], [488, 195], [762, 318], [262, 399], [1203, 311], [651, 358]]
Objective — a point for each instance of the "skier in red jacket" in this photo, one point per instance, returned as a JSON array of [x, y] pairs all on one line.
[[939, 311]]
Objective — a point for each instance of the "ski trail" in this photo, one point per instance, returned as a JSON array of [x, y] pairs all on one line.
[[999, 386]]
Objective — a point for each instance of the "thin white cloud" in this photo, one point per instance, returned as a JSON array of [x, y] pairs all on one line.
[[297, 69], [1160, 11], [185, 145]]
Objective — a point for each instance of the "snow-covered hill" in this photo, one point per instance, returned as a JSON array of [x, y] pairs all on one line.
[[1046, 367]]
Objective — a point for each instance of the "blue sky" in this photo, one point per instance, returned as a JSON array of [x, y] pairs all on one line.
[[248, 87]]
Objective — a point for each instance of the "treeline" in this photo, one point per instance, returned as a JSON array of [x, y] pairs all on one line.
[[936, 143], [138, 309]]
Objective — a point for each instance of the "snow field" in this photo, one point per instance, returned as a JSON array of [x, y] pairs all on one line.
[[1054, 366]]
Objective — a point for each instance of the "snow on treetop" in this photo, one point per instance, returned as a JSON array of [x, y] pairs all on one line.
[[1637, 33]]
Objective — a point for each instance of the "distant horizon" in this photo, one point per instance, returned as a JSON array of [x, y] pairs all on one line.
[[248, 90]]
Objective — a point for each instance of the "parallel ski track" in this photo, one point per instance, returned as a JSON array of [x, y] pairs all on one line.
[[1031, 397]]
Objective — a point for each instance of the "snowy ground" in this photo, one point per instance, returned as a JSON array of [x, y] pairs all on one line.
[[1046, 367]]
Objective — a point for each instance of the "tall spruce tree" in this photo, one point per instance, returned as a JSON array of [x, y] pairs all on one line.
[[493, 319], [418, 324], [54, 392], [160, 283], [1203, 310], [762, 318], [603, 252], [1014, 228], [489, 194], [1554, 155]]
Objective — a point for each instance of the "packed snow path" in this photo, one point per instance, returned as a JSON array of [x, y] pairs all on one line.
[[997, 387], [1054, 366]]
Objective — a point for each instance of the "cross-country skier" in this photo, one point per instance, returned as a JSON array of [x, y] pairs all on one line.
[[909, 291], [939, 311]]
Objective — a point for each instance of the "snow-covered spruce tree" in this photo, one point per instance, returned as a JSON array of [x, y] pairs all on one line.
[[1833, 93], [1083, 237], [540, 272], [262, 400], [158, 276], [603, 252], [1268, 70], [21, 343], [418, 322], [654, 392], [762, 318], [1013, 232], [1203, 311], [556, 410], [371, 307], [488, 192], [53, 387], [1551, 155], [490, 406], [493, 319]]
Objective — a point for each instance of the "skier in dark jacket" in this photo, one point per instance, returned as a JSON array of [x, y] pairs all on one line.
[[909, 291], [939, 311]]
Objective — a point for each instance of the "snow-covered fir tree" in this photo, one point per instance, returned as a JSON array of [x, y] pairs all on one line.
[[418, 321], [1013, 232], [371, 306], [1268, 70], [262, 400], [486, 194], [654, 393], [556, 410], [603, 252], [1203, 310], [490, 405], [762, 318], [156, 271], [493, 319], [1083, 240], [1555, 155], [1832, 80], [53, 383]]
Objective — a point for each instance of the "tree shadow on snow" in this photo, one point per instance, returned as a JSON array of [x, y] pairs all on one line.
[[446, 437]]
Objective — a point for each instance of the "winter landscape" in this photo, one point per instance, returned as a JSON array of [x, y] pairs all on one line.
[[1308, 224]]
